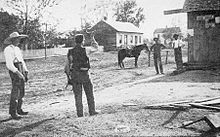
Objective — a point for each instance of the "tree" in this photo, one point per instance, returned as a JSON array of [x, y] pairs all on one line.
[[127, 11], [94, 12], [30, 13], [8, 24], [30, 9]]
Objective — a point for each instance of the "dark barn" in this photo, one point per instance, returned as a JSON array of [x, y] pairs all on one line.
[[204, 27]]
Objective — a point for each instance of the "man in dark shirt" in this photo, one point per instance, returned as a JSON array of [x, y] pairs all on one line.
[[79, 67], [157, 55]]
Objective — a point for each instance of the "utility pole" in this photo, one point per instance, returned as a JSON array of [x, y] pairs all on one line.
[[45, 41]]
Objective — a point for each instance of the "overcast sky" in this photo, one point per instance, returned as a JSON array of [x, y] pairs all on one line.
[[68, 14]]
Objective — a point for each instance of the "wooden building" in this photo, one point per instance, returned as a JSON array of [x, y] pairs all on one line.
[[204, 31], [112, 35]]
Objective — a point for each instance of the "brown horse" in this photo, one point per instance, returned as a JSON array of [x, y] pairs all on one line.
[[135, 52]]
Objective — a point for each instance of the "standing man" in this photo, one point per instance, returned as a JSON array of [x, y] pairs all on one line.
[[79, 67], [157, 55], [17, 71], [177, 44]]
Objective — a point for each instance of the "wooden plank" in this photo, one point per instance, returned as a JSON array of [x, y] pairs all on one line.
[[207, 99], [212, 102], [168, 103], [214, 120], [175, 11], [197, 105]]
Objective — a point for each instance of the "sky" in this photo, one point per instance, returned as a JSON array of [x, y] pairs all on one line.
[[68, 14]]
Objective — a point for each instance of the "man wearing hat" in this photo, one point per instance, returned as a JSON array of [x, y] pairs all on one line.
[[18, 73], [177, 44], [79, 67], [157, 55]]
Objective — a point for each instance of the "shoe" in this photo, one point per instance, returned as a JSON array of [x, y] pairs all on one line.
[[94, 113], [162, 73], [21, 112], [157, 73], [15, 117]]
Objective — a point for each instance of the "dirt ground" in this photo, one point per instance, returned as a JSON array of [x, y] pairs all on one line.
[[120, 96]]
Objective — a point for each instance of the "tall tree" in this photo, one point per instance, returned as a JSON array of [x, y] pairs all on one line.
[[30, 9], [8, 24], [128, 11]]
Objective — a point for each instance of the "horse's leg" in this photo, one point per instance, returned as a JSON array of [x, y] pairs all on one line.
[[136, 59], [119, 59], [123, 64]]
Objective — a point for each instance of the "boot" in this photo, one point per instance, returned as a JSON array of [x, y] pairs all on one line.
[[15, 116], [19, 110]]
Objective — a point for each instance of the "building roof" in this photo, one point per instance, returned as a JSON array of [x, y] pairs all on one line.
[[123, 26], [201, 5], [170, 30], [196, 5]]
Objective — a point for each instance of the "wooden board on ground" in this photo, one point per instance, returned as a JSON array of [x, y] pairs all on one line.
[[214, 120], [197, 105]]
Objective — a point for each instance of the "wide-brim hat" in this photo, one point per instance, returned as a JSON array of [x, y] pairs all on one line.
[[14, 35], [175, 35], [156, 39]]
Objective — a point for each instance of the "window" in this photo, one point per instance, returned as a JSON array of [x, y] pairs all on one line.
[[136, 39], [126, 39], [139, 39], [120, 39], [131, 40]]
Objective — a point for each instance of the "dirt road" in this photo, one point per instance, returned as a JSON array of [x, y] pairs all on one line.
[[120, 96]]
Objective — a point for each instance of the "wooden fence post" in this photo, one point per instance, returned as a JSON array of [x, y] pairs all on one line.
[[166, 56]]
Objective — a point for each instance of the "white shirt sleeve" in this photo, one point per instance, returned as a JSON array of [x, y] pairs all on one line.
[[20, 58], [9, 59]]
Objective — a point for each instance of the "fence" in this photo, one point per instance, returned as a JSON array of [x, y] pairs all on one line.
[[39, 53]]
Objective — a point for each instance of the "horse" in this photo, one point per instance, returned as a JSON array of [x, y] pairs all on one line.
[[135, 52]]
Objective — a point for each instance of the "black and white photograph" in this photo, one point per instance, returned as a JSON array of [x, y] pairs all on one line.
[[109, 68]]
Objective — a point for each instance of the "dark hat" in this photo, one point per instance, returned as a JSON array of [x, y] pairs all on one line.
[[175, 36], [13, 36], [79, 38], [156, 39]]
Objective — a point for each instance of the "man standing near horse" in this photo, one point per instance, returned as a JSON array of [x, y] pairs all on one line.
[[79, 66], [18, 73], [157, 55]]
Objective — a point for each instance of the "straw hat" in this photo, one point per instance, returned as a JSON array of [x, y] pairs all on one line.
[[13, 36]]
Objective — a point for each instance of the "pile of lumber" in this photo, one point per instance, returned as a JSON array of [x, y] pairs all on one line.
[[208, 103]]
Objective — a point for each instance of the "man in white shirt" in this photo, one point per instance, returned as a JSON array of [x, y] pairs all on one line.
[[177, 44], [18, 73]]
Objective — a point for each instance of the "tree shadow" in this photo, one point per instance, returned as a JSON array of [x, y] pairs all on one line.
[[5, 120], [171, 118], [14, 131]]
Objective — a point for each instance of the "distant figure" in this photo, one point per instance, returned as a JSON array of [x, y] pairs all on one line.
[[18, 73], [157, 55], [79, 66], [177, 44]]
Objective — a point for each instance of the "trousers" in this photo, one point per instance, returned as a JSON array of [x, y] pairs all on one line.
[[18, 91], [178, 58], [88, 88], [157, 62]]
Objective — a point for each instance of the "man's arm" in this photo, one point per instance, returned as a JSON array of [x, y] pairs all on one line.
[[151, 48]]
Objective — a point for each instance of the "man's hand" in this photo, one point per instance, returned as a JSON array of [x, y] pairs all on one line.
[[20, 75]]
